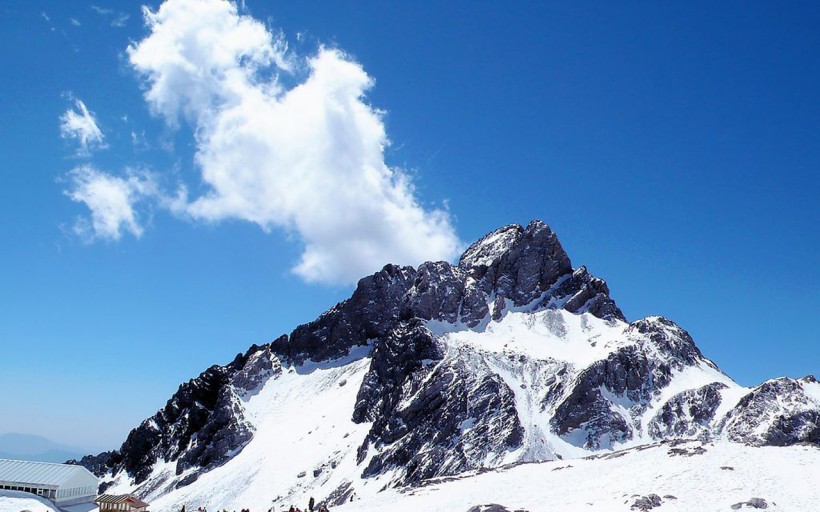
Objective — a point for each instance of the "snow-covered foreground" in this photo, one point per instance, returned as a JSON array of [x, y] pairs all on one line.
[[684, 476], [18, 501]]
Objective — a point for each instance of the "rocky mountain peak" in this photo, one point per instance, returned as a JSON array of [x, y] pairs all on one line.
[[511, 355], [517, 251], [512, 269], [489, 248]]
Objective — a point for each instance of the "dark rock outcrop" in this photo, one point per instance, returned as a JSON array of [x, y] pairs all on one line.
[[99, 464], [645, 503], [200, 426], [525, 266], [687, 414], [427, 414], [369, 313], [627, 373], [779, 412], [493, 507]]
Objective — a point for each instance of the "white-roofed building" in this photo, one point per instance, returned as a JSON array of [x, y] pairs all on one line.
[[64, 484]]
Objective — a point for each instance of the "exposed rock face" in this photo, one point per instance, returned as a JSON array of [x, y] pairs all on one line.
[[525, 266], [522, 265], [369, 313], [520, 268], [590, 294], [587, 408], [99, 464], [446, 410], [669, 340], [687, 414], [631, 375], [779, 412], [201, 426]]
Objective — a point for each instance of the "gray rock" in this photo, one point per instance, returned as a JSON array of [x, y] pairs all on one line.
[[259, 367], [369, 313], [669, 339], [627, 372], [584, 293], [647, 502], [779, 412], [687, 414], [527, 264], [493, 507], [758, 503], [686, 451], [431, 434]]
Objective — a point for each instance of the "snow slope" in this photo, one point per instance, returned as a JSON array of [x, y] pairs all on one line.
[[19, 501], [306, 444], [725, 474], [304, 440]]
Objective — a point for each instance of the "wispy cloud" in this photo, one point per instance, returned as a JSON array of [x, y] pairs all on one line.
[[101, 11], [119, 20], [111, 200], [75, 22], [79, 124], [115, 18], [308, 160], [139, 141]]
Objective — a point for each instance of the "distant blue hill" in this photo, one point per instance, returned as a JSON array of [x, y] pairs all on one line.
[[38, 448]]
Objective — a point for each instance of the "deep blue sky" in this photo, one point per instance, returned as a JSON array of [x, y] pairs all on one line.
[[675, 149]]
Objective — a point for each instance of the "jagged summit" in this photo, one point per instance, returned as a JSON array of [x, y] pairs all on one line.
[[512, 355], [511, 268]]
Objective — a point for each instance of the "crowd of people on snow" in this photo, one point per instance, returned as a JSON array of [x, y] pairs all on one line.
[[312, 507]]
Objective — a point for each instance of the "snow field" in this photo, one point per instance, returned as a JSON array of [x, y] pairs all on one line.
[[785, 477], [18, 501]]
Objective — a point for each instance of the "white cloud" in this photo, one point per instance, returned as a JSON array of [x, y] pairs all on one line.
[[79, 123], [99, 10], [117, 19], [111, 200], [308, 160]]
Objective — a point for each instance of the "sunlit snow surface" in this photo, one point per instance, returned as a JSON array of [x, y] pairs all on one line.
[[726, 474], [17, 501], [303, 423], [305, 443]]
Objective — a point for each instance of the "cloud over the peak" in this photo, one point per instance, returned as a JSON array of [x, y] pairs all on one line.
[[78, 123], [111, 200], [307, 159]]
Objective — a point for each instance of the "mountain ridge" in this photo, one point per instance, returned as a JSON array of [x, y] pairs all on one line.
[[511, 355]]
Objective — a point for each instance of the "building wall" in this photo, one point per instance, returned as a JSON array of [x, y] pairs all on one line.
[[75, 494], [60, 495], [45, 492]]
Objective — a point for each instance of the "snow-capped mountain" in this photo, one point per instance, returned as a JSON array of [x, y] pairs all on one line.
[[510, 356]]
